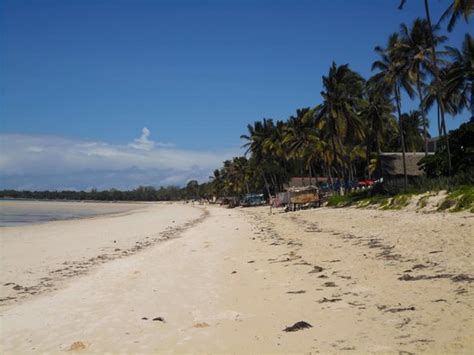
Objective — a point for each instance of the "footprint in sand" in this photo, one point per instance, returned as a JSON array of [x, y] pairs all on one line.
[[77, 346], [201, 325]]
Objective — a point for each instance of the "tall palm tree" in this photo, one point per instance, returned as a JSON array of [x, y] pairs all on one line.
[[437, 81], [379, 121], [454, 99], [458, 8], [392, 76], [338, 116], [460, 75], [416, 47]]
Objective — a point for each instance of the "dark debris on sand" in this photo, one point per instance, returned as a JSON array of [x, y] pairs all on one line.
[[298, 326]]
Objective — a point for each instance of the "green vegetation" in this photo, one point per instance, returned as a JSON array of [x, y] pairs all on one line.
[[397, 202], [142, 193], [458, 199], [461, 199], [423, 201]]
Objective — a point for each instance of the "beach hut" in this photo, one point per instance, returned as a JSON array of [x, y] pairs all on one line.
[[390, 165], [304, 197]]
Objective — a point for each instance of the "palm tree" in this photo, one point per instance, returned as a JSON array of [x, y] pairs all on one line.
[[453, 98], [379, 121], [437, 81], [393, 75], [378, 116], [256, 137], [460, 75], [216, 182], [455, 10], [416, 47], [413, 125], [301, 138], [458, 8], [337, 116]]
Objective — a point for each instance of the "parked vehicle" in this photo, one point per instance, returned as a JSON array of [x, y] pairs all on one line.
[[252, 200]]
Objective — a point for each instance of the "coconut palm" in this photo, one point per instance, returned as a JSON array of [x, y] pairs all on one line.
[[379, 121], [453, 98], [437, 81], [416, 47], [337, 117], [301, 138], [460, 75], [413, 124], [457, 9], [256, 138], [392, 76]]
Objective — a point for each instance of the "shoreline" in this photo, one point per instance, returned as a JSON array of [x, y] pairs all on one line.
[[36, 268]]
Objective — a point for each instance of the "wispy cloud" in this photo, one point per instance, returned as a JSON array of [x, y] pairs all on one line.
[[51, 162]]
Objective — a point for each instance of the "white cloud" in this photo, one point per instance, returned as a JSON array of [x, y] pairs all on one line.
[[51, 162], [143, 142]]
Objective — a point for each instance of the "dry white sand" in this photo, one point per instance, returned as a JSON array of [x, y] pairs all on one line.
[[231, 280]]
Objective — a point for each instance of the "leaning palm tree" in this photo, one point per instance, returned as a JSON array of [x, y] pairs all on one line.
[[457, 9], [392, 76], [416, 47], [460, 75]]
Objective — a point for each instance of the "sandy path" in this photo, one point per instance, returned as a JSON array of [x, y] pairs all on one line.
[[232, 282]]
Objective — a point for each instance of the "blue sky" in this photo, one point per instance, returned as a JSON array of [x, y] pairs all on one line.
[[194, 73]]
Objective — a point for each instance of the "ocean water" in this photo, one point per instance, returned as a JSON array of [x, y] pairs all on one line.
[[21, 212]]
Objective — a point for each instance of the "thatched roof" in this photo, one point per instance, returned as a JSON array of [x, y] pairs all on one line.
[[391, 164], [301, 181]]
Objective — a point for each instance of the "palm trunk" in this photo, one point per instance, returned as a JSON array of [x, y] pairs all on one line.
[[472, 101], [423, 112], [440, 130], [274, 182], [438, 85], [266, 184], [367, 159], [402, 136], [333, 150]]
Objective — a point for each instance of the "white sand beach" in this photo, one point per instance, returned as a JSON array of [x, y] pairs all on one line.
[[183, 278]]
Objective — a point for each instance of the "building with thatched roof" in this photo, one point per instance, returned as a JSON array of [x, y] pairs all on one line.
[[301, 181], [391, 164]]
